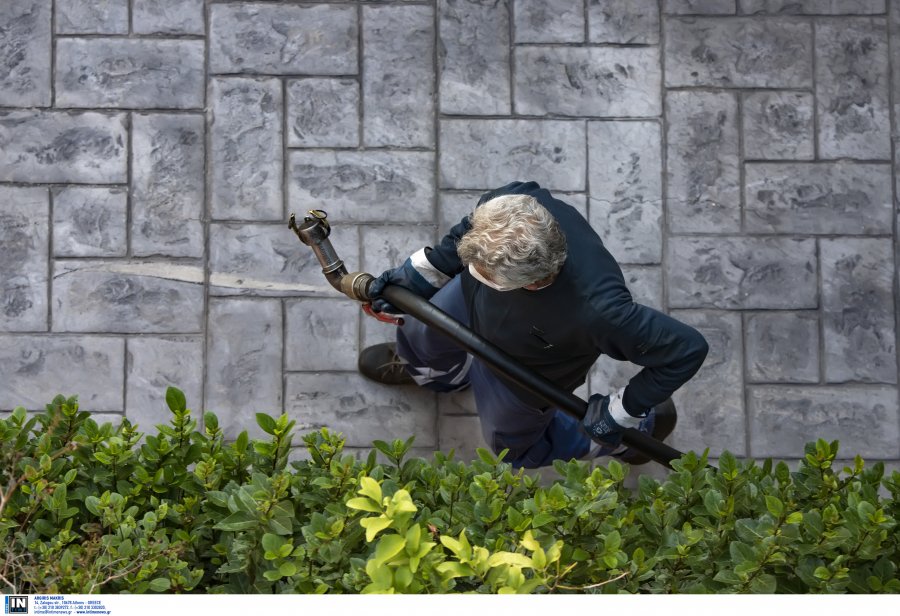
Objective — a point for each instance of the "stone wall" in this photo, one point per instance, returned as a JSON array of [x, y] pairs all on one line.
[[739, 157]]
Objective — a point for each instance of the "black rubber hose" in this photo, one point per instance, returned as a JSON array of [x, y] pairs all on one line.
[[434, 317]]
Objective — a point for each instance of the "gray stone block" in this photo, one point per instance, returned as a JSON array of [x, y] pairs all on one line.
[[481, 154], [623, 21], [269, 260], [126, 297], [283, 39], [116, 72], [167, 185], [243, 373], [738, 53], [246, 149], [784, 418], [453, 207], [782, 347], [778, 125], [322, 334], [385, 247], [462, 434], [858, 310], [25, 49], [588, 81], [365, 186], [456, 404], [36, 368], [24, 247], [700, 7], [54, 146], [853, 106], [711, 405], [473, 57], [398, 76], [154, 364], [894, 31], [703, 164], [360, 409], [625, 176], [841, 198], [739, 273], [549, 21], [90, 222], [91, 17], [812, 7], [323, 112], [645, 284], [168, 17]]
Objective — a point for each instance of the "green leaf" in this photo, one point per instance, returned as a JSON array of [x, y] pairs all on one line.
[[176, 400], [160, 584], [238, 521], [795, 518], [510, 558], [450, 570], [486, 456], [272, 543], [774, 505], [541, 519], [363, 504], [369, 487], [374, 526], [287, 569], [266, 422], [388, 547]]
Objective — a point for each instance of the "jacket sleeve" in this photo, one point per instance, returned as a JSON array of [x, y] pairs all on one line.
[[670, 351]]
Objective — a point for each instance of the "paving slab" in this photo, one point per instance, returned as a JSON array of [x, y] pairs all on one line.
[[90, 221], [738, 53], [25, 46], [129, 73], [244, 345], [700, 7], [364, 186], [549, 21], [623, 21], [778, 125], [57, 146], [588, 81], [782, 347], [853, 105], [36, 368], [24, 248], [168, 17], [398, 78], [167, 185], [323, 112], [484, 154], [246, 157], [858, 310], [283, 39], [742, 273], [784, 418], [473, 57], [702, 162], [362, 410], [812, 7], [818, 198], [91, 17], [625, 176], [126, 297], [154, 364]]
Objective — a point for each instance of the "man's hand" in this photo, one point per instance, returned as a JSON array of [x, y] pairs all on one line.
[[606, 418], [406, 276]]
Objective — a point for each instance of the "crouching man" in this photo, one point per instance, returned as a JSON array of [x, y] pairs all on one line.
[[527, 272]]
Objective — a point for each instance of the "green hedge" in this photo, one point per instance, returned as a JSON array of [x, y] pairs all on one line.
[[97, 508]]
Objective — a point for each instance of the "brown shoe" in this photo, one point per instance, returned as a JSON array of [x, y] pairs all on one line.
[[664, 422], [381, 364]]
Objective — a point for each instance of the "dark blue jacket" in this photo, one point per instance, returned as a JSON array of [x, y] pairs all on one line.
[[561, 330]]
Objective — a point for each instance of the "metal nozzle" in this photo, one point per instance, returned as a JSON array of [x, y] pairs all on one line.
[[314, 232]]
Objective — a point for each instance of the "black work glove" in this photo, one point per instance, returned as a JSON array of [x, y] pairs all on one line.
[[405, 276], [606, 418]]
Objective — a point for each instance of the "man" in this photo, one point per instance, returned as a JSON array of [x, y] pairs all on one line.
[[529, 274]]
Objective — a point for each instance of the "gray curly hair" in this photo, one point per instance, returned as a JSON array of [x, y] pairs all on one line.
[[515, 240]]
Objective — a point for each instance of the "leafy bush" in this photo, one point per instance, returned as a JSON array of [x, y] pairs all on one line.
[[94, 508]]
